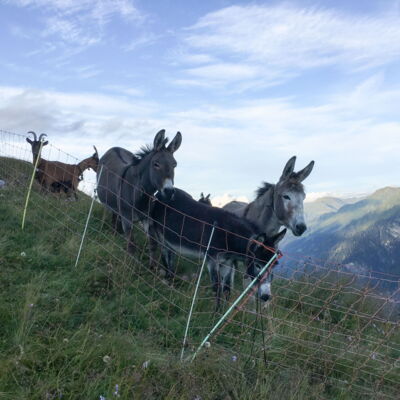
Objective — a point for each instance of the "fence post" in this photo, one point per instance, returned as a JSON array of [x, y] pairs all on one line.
[[245, 291], [31, 183], [87, 219], [195, 292]]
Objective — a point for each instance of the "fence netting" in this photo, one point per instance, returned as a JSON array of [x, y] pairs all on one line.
[[341, 325]]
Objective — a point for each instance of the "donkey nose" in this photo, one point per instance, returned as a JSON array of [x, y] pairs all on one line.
[[300, 229], [265, 297]]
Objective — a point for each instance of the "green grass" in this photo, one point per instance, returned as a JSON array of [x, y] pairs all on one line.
[[75, 333]]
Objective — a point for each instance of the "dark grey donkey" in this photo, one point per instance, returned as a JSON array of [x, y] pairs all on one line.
[[128, 181], [184, 225], [277, 205], [167, 254]]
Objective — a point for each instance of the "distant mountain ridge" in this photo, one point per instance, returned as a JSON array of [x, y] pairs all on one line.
[[363, 234]]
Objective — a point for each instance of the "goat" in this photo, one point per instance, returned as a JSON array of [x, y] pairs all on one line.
[[55, 175]]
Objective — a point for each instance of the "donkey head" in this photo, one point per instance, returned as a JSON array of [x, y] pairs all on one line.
[[36, 143], [289, 197], [260, 252], [205, 199], [162, 163]]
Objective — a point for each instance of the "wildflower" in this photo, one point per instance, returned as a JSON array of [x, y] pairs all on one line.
[[116, 390], [373, 356], [207, 345], [23, 254], [102, 398], [106, 359], [234, 358], [31, 305], [65, 340], [146, 364]]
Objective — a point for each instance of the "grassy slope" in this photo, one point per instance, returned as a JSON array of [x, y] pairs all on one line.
[[76, 333]]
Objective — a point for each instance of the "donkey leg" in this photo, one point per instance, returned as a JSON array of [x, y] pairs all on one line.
[[168, 263], [128, 231], [213, 269], [131, 242], [116, 223], [227, 275], [153, 246]]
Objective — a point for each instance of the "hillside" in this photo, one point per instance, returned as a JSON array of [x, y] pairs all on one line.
[[324, 205], [364, 235], [112, 327]]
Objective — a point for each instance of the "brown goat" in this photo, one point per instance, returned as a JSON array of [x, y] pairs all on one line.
[[55, 175]]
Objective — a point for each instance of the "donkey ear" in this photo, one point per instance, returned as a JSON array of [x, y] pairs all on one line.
[[277, 238], [176, 142], [301, 175], [159, 140], [289, 168], [29, 141], [208, 196], [45, 143]]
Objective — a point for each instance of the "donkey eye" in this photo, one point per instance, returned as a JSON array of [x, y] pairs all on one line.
[[157, 165], [286, 197]]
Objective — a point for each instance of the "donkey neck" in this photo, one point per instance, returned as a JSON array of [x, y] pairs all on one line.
[[142, 173], [261, 212]]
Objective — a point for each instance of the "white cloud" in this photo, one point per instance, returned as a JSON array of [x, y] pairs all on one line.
[[69, 117], [354, 137], [145, 39], [98, 9], [77, 23], [283, 40], [121, 89]]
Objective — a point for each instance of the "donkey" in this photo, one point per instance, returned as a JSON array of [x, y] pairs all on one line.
[[167, 254], [128, 181], [184, 225], [205, 199], [277, 205]]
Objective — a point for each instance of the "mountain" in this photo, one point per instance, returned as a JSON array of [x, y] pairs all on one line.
[[325, 205], [363, 235]]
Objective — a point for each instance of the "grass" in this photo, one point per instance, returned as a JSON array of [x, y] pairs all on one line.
[[76, 333]]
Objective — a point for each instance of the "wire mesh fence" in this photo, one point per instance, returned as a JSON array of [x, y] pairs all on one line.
[[341, 326]]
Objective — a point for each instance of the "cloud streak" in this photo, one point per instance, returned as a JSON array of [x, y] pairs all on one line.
[[78, 23], [281, 41]]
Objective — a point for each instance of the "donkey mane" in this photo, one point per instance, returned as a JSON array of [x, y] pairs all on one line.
[[144, 152], [290, 184], [263, 189]]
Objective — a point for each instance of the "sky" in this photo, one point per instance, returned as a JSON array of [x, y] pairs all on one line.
[[248, 83]]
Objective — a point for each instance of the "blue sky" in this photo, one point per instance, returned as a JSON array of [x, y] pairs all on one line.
[[249, 84]]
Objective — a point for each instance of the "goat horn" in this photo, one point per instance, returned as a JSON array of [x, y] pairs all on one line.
[[41, 135], [34, 135]]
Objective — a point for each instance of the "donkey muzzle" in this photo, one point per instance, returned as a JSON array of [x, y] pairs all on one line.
[[168, 190]]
